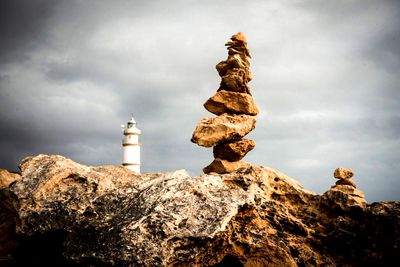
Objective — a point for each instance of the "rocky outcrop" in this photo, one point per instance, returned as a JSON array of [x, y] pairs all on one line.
[[68, 214], [233, 99]]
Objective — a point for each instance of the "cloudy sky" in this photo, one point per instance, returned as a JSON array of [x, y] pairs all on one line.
[[326, 78]]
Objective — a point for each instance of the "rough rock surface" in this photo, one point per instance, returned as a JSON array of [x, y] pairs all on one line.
[[348, 181], [233, 151], [345, 195], [343, 173], [69, 214], [223, 166], [213, 131], [232, 103], [6, 178], [235, 70]]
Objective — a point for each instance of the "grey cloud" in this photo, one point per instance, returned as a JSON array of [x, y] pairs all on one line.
[[22, 27]]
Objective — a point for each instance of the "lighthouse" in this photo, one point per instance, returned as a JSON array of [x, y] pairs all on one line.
[[131, 146]]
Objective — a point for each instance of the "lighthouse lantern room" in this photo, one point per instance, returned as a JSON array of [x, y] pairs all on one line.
[[131, 146]]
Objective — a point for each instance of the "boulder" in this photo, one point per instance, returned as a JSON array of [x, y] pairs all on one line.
[[224, 128], [343, 173], [223, 166], [233, 151], [232, 103]]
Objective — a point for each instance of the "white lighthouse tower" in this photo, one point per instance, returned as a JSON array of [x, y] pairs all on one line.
[[131, 146]]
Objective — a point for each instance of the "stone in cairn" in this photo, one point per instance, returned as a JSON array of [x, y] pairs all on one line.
[[235, 108]]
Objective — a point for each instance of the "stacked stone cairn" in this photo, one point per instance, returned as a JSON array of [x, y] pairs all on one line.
[[346, 186], [344, 177], [235, 109]]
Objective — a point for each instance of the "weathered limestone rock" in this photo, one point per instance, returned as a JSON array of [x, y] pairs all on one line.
[[223, 166], [348, 181], [233, 151], [345, 196], [224, 128], [6, 178], [232, 103], [343, 173], [256, 216]]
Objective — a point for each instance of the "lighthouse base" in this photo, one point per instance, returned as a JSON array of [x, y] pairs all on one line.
[[132, 167]]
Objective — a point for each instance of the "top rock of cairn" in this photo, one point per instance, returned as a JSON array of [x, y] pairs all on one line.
[[235, 108]]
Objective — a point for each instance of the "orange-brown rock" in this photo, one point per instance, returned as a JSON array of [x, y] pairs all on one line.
[[233, 63], [239, 44], [223, 166], [235, 70], [6, 178], [224, 128], [348, 181], [240, 37], [232, 103], [235, 81], [233, 151], [343, 173], [345, 196]]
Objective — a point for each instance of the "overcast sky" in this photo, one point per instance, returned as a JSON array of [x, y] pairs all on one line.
[[325, 76]]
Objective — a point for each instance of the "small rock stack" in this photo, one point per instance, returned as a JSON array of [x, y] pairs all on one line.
[[235, 108], [344, 175], [344, 191]]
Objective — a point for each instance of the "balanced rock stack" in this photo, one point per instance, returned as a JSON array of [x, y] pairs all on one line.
[[235, 108], [344, 175], [344, 191]]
